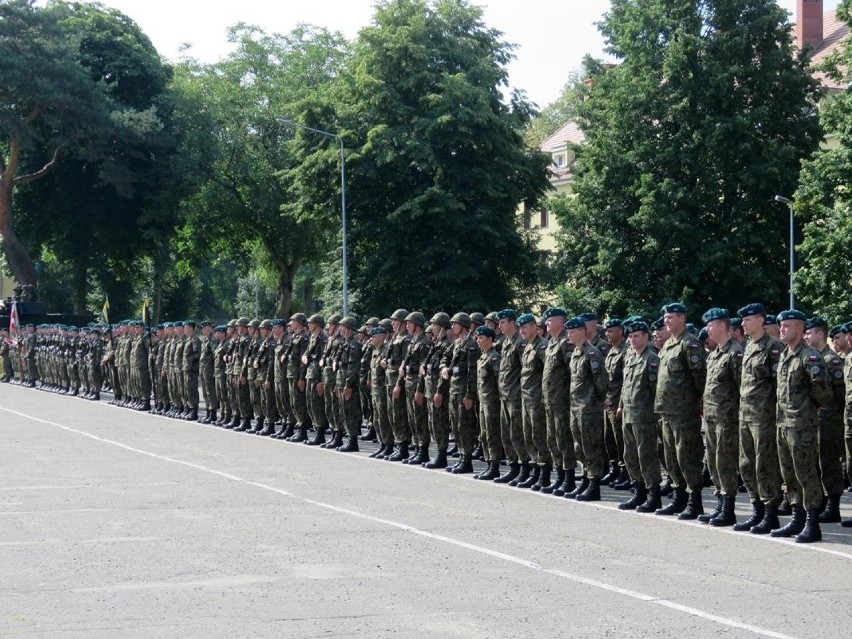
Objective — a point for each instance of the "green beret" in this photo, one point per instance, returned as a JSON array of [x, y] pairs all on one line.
[[674, 307], [575, 323], [690, 328], [508, 313], [613, 322], [588, 317], [835, 330], [755, 308], [702, 335], [792, 314], [847, 328], [771, 320], [715, 314], [486, 331], [378, 330], [278, 322], [526, 318], [206, 323], [189, 323], [816, 322], [638, 325], [658, 324], [736, 322], [554, 311], [222, 328]]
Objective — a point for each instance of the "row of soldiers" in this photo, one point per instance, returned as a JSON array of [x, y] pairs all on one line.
[[543, 395]]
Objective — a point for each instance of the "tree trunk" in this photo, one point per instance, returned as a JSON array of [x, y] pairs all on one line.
[[17, 256], [80, 283], [286, 273]]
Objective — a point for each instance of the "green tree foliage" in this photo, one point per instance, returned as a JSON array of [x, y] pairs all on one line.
[[824, 200], [439, 166], [264, 184], [705, 118]]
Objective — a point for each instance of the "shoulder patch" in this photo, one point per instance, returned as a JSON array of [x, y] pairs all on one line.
[[654, 365], [837, 362], [813, 358], [740, 354], [695, 359], [815, 370], [695, 345], [595, 364]]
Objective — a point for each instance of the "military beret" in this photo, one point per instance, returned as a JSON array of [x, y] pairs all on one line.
[[485, 331], [638, 325], [658, 324], [349, 322], [441, 319], [816, 322], [477, 318], [378, 330], [222, 328], [755, 308], [335, 318], [189, 323], [508, 313], [417, 318], [736, 322], [847, 327], [461, 318], [690, 328], [85, 329], [317, 319], [715, 314], [613, 322], [834, 330], [770, 320], [634, 318], [399, 314], [703, 335], [493, 316], [278, 322], [206, 323], [554, 311], [300, 318], [526, 318], [575, 322], [792, 314], [588, 316], [674, 307], [265, 324], [373, 321], [243, 321]]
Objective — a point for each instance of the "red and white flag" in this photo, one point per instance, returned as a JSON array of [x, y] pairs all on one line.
[[14, 322]]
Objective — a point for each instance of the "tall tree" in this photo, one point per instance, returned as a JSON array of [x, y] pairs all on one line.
[[824, 199], [264, 187], [704, 119], [439, 166]]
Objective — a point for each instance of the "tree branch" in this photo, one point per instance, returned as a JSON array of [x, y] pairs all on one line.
[[32, 177]]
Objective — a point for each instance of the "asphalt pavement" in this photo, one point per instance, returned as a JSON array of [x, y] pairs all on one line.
[[115, 523]]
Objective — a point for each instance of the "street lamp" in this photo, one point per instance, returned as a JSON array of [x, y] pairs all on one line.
[[342, 203], [789, 203]]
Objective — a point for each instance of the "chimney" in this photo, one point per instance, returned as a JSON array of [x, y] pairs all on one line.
[[808, 23]]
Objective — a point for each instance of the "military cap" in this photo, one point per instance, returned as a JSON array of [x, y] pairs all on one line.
[[243, 321], [387, 323], [206, 323], [378, 330], [638, 325], [189, 323], [222, 328], [335, 319], [703, 335], [657, 324], [613, 322], [554, 311], [674, 307], [461, 318], [485, 331], [525, 318], [588, 317], [477, 318], [254, 323], [349, 322], [770, 320], [736, 321], [441, 319], [372, 322], [317, 319], [816, 322], [417, 318], [792, 314], [846, 328], [755, 308], [715, 314], [399, 314], [834, 330], [493, 316], [576, 322], [299, 317], [265, 324], [508, 313]]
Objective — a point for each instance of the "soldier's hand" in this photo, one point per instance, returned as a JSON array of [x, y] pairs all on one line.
[[347, 393], [401, 370], [437, 400], [301, 385], [418, 398], [305, 360], [445, 373], [243, 380], [619, 412], [383, 363], [320, 389], [267, 385], [256, 383], [422, 370], [468, 403], [395, 393]]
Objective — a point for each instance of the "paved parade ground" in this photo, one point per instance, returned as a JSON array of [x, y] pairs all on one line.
[[121, 524]]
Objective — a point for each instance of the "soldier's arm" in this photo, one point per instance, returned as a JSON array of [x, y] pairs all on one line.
[[697, 361], [820, 383], [473, 354]]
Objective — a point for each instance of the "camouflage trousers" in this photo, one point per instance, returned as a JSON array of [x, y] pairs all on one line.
[[587, 430], [416, 415], [614, 438], [559, 440], [316, 405], [190, 383], [721, 438], [208, 387], [243, 397], [512, 431], [798, 454], [640, 452], [366, 401], [463, 422], [298, 403], [398, 414], [831, 455], [351, 412], [489, 426], [270, 400], [684, 451], [381, 422], [535, 432], [337, 408], [847, 435], [222, 396], [759, 465]]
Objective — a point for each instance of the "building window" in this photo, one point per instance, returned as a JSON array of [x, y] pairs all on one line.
[[559, 160], [544, 221]]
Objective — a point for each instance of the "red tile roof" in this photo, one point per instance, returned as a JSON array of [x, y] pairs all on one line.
[[568, 132], [834, 32]]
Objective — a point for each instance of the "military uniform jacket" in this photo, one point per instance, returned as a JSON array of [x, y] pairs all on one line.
[[757, 388], [510, 368], [682, 375], [252, 362], [349, 364], [139, 354], [848, 412], [366, 358], [295, 349], [722, 389], [266, 360], [832, 412], [219, 362], [803, 387], [556, 376], [205, 360], [378, 375], [397, 351], [191, 354], [589, 381], [430, 373], [241, 355], [329, 357], [280, 349], [177, 353], [640, 387], [614, 364], [487, 377], [416, 353], [602, 345], [30, 346], [532, 368], [461, 360], [313, 355]]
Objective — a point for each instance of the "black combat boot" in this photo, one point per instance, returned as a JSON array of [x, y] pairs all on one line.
[[465, 465], [560, 477], [611, 475], [258, 426], [424, 454], [318, 438], [667, 488], [811, 532], [784, 509], [454, 451], [568, 484], [767, 523], [440, 460], [514, 471], [758, 510], [523, 474], [578, 488], [268, 430], [694, 507], [592, 491], [846, 523], [301, 435], [370, 436], [146, 406], [244, 425], [794, 526], [543, 478], [491, 472], [287, 431], [727, 516], [351, 446], [336, 440], [529, 482], [415, 458], [706, 517], [400, 454], [640, 493], [193, 415], [622, 482], [831, 514], [477, 452], [677, 505]]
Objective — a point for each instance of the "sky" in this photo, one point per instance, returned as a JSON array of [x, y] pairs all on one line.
[[552, 36]]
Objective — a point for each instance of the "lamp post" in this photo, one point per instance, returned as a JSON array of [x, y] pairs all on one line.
[[789, 203], [342, 203]]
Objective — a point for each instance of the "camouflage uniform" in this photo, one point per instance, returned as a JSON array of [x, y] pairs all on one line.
[[378, 388], [535, 422], [430, 379], [511, 413], [639, 422], [461, 361], [614, 432], [831, 451], [347, 379], [409, 384], [721, 411], [488, 394], [589, 384], [556, 382], [397, 412]]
